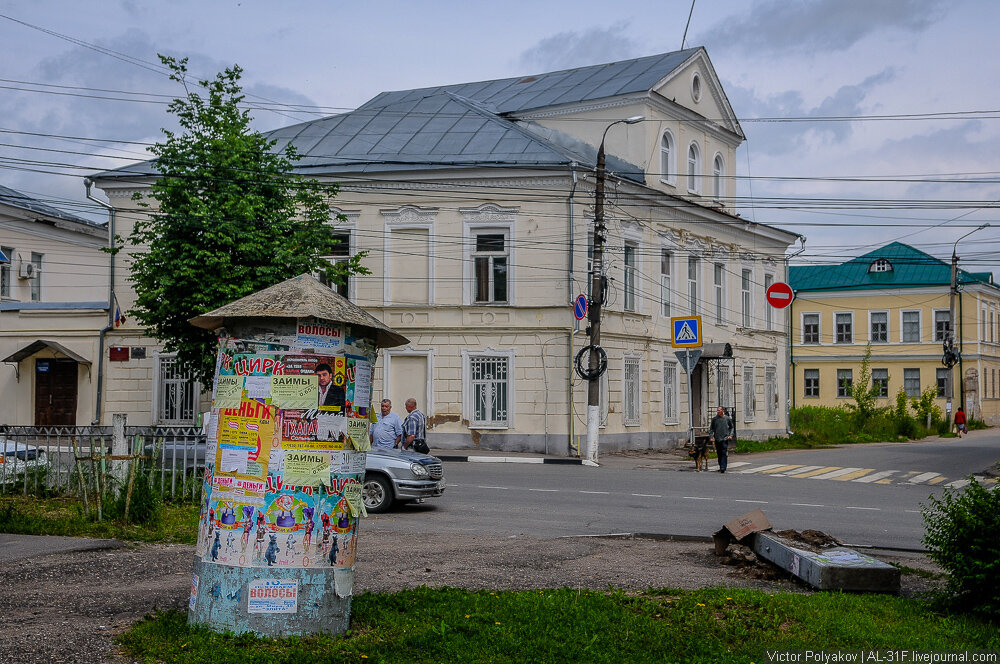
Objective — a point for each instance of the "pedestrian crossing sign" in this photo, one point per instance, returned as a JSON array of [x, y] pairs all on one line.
[[686, 332]]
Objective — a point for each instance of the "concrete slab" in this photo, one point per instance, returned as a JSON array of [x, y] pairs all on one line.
[[834, 568]]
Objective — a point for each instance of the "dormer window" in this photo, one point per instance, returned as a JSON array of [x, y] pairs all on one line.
[[880, 265]]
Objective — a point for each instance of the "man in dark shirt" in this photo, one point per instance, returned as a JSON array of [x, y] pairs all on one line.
[[720, 432], [329, 394]]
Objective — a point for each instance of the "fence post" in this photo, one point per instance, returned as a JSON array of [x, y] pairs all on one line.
[[119, 448]]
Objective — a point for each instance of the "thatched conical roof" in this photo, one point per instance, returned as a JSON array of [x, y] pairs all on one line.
[[303, 296]]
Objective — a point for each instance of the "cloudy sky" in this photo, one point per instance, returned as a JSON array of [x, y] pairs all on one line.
[[867, 121]]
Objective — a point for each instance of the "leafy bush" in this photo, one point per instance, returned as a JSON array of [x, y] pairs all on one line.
[[963, 536], [924, 405]]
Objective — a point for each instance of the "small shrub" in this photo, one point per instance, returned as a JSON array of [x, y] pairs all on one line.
[[924, 405], [963, 536]]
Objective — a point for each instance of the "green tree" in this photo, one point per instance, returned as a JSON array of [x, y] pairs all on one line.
[[864, 391], [231, 218]]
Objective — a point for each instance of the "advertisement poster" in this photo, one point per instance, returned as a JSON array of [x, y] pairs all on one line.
[[273, 596], [228, 392], [315, 334], [294, 391]]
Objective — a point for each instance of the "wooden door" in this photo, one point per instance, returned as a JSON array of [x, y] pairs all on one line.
[[55, 392]]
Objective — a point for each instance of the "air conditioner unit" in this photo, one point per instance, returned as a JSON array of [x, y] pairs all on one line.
[[27, 270]]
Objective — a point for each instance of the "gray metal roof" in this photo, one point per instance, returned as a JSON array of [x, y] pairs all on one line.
[[16, 199], [462, 125]]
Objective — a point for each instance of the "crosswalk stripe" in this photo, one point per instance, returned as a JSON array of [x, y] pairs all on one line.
[[937, 480], [762, 468], [876, 476], [835, 473], [846, 477], [782, 469], [801, 470], [923, 477], [812, 473]]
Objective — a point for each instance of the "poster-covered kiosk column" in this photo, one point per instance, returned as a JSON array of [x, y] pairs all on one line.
[[285, 461]]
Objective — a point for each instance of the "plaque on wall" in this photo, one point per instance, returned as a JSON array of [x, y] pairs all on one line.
[[138, 352], [118, 354]]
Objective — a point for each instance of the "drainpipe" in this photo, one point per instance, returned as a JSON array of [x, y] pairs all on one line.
[[88, 183], [789, 397], [573, 331]]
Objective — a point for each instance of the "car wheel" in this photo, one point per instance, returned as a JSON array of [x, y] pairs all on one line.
[[377, 494]]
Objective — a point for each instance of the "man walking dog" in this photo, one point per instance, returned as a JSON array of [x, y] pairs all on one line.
[[720, 432]]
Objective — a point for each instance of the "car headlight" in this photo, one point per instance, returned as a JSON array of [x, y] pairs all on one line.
[[418, 470]]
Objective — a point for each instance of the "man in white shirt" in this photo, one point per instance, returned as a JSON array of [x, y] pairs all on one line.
[[388, 430]]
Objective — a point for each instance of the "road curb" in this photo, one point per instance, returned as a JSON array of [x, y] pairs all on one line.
[[505, 459]]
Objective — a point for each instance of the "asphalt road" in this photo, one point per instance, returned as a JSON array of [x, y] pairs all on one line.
[[864, 495]]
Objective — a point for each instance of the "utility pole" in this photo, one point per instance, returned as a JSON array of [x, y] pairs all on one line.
[[951, 354], [597, 354]]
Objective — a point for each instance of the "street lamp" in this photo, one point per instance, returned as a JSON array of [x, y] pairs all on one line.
[[598, 358], [950, 356]]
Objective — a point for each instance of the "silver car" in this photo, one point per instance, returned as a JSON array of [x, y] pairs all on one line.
[[400, 476], [16, 459]]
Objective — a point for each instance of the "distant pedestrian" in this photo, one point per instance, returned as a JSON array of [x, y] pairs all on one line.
[[415, 429], [960, 422], [720, 432]]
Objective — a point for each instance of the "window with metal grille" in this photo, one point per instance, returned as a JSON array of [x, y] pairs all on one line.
[[630, 251], [693, 266], [810, 383], [771, 392], [670, 405], [942, 325], [749, 398], [911, 327], [720, 293], [810, 328], [176, 393], [845, 380], [631, 391], [845, 328], [880, 265], [488, 378], [880, 327], [6, 271], [665, 258], [911, 382], [490, 263], [944, 383], [880, 380], [747, 303]]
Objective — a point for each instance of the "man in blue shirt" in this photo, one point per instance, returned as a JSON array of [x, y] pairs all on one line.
[[388, 430]]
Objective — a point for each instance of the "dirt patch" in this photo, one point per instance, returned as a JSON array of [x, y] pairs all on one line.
[[68, 607], [814, 540]]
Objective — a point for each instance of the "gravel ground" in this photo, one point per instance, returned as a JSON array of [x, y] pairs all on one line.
[[68, 607]]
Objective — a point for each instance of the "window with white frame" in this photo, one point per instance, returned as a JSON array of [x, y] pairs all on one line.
[[911, 382], [671, 407], [810, 328], [176, 393], [911, 327], [844, 328], [489, 389], [746, 300], [630, 274], [880, 381], [665, 258], [341, 254], [720, 293], [771, 392], [984, 334], [693, 266], [668, 168], [718, 172], [944, 383], [942, 325], [879, 327], [810, 383], [6, 271], [36, 280], [768, 309], [749, 398], [630, 389], [845, 382], [490, 266], [694, 168]]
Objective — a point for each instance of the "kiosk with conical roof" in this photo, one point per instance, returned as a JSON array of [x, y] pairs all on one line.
[[285, 460]]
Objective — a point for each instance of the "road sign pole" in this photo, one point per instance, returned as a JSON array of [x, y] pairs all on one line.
[[687, 351]]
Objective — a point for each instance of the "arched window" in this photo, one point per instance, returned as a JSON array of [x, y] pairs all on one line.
[[718, 170], [694, 168], [668, 171]]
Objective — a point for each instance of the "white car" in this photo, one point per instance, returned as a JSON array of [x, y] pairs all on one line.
[[16, 459]]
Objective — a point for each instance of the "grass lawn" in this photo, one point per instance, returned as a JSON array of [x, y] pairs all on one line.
[[453, 625]]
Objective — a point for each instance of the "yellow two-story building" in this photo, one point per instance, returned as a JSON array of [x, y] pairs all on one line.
[[898, 299]]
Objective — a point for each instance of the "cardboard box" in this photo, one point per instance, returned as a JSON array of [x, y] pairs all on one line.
[[750, 522]]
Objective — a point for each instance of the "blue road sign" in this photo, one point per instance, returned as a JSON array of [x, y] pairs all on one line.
[[580, 307], [686, 332]]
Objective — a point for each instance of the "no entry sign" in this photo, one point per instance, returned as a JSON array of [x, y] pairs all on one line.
[[779, 295]]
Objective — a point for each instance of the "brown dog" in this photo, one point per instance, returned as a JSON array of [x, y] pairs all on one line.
[[700, 454]]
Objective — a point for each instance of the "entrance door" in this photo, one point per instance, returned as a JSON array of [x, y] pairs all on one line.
[[55, 392], [408, 379], [697, 395]]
